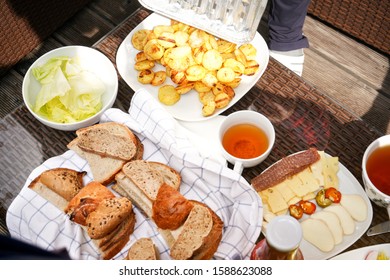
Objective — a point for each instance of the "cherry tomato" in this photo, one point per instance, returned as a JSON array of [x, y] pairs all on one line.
[[321, 200], [333, 194], [307, 206], [296, 211]]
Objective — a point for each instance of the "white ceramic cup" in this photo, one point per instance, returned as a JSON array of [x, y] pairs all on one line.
[[247, 117], [379, 198]]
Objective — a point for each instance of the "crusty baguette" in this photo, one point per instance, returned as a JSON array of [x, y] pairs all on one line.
[[142, 249], [58, 185]]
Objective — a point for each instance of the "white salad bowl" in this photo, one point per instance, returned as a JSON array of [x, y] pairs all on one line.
[[90, 60]]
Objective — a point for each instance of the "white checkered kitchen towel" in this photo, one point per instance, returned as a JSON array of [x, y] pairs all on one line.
[[32, 219]]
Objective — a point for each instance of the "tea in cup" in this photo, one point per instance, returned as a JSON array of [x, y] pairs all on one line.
[[376, 171], [246, 138]]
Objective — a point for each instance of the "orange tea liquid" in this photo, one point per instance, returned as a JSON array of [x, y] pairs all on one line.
[[245, 141], [378, 169]]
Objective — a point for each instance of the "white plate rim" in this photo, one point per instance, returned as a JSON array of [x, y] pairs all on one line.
[[125, 57], [361, 253]]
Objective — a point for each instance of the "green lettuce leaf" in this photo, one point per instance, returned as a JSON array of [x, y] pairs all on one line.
[[68, 93]]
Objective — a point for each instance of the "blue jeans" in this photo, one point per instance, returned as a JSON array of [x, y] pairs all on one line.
[[285, 21]]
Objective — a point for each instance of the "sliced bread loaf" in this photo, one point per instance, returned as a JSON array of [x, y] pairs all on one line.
[[107, 144], [142, 249], [196, 228]]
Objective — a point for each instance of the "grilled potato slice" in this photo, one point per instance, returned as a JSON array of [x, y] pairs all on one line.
[[184, 88], [168, 95], [225, 46], [178, 77], [140, 38], [197, 38], [201, 87], [208, 109], [212, 60], [195, 73], [235, 65], [140, 56], [225, 75], [167, 40], [143, 65], [210, 79], [153, 50], [206, 97], [158, 29], [145, 76], [181, 38], [221, 100], [251, 67], [249, 51], [159, 78]]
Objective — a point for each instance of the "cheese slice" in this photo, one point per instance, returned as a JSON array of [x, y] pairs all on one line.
[[333, 222], [316, 169], [286, 192], [318, 233], [330, 170], [275, 200], [310, 184], [297, 186], [355, 205], [346, 221]]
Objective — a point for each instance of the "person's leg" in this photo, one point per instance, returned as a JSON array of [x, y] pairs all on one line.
[[286, 39]]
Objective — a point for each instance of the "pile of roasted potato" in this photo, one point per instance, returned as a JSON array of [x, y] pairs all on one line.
[[193, 59]]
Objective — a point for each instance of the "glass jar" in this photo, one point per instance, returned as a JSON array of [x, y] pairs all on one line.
[[283, 236]]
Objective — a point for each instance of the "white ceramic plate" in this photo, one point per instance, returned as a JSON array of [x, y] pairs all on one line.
[[188, 108], [361, 253], [348, 184]]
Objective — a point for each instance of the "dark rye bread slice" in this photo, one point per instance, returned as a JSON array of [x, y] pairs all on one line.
[[58, 185], [285, 168]]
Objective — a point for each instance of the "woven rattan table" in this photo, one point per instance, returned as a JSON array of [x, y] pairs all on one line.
[[303, 117]]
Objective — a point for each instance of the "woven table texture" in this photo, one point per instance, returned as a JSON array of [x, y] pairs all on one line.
[[25, 24], [366, 20]]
